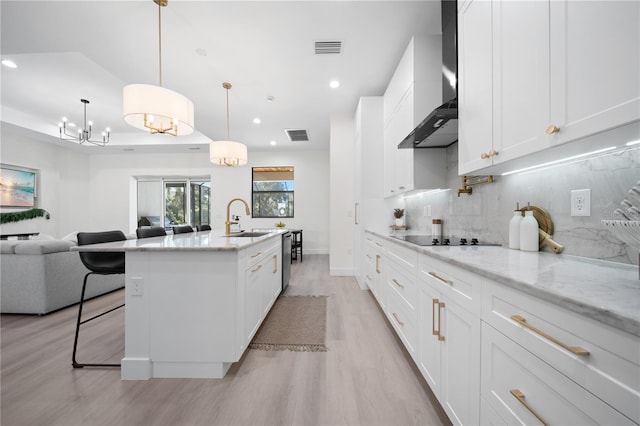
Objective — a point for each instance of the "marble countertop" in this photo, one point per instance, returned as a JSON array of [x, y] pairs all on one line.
[[195, 241], [604, 291]]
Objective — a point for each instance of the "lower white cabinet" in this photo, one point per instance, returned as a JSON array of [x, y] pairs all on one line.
[[449, 328]]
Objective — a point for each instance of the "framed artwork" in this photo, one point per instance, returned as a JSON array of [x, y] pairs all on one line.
[[17, 186]]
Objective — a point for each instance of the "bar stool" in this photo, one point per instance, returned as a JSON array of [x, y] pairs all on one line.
[[98, 263], [296, 244], [185, 229], [156, 231], [203, 228]]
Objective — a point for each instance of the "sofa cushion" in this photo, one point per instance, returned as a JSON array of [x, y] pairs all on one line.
[[8, 246], [43, 246]]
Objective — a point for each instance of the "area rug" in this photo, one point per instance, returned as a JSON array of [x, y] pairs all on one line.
[[295, 323]]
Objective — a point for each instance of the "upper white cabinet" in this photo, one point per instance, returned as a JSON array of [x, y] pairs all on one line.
[[535, 75], [414, 90]]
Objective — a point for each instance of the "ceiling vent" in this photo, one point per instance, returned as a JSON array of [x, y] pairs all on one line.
[[297, 135], [328, 47]]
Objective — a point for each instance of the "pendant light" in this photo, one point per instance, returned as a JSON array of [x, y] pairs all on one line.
[[154, 108], [228, 153]]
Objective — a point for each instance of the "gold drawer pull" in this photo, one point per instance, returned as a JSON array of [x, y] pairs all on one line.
[[552, 129], [377, 263], [484, 155], [398, 319], [434, 275], [275, 263], [434, 303], [256, 255], [493, 153], [520, 397], [397, 283], [573, 349], [257, 269], [440, 336]]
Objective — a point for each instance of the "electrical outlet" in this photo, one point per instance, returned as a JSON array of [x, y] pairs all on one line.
[[426, 212], [581, 202], [136, 286]]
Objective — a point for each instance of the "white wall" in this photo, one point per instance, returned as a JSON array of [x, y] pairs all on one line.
[[63, 187], [341, 216]]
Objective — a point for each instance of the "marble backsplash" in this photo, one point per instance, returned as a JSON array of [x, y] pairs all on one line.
[[485, 214]]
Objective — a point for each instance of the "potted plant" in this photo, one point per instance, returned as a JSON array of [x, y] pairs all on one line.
[[398, 214]]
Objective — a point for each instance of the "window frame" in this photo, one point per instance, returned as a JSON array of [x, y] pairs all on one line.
[[291, 197]]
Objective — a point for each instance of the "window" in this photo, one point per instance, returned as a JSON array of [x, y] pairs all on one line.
[[272, 193], [173, 201]]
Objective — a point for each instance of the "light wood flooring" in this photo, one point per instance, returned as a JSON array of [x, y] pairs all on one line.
[[366, 377]]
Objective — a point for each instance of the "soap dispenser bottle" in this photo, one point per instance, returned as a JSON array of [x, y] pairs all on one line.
[[514, 228], [529, 240]]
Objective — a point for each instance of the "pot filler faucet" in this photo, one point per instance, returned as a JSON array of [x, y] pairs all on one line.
[[228, 223]]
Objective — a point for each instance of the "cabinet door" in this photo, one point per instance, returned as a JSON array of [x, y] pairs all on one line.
[[403, 158], [595, 64], [253, 310], [460, 392], [520, 78], [272, 284], [428, 324], [475, 77]]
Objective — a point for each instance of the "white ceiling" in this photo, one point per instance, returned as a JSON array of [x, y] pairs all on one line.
[[68, 50]]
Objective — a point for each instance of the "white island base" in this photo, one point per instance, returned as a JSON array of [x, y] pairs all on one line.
[[190, 313]]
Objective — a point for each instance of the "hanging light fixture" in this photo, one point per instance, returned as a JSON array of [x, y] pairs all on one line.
[[228, 153], [155, 108], [84, 134]]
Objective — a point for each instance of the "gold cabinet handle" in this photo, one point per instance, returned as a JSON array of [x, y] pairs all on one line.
[[434, 275], [377, 263], [493, 153], [520, 397], [398, 319], [552, 129], [484, 155], [440, 336], [573, 349], [434, 303], [355, 214], [378, 244], [397, 283], [256, 255], [257, 269], [275, 263]]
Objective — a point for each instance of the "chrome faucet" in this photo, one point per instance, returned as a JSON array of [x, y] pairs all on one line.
[[228, 223]]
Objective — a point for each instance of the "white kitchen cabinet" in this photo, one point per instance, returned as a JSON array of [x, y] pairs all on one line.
[[374, 254], [601, 359], [413, 92], [263, 285], [537, 75], [522, 389], [449, 337]]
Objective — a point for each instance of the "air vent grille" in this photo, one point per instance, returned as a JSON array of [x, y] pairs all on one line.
[[328, 47], [297, 135]]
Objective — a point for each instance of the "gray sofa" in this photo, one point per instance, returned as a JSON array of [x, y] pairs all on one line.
[[41, 276]]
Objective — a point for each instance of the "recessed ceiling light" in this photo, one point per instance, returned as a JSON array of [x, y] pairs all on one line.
[[272, 143], [334, 84], [256, 120], [9, 64]]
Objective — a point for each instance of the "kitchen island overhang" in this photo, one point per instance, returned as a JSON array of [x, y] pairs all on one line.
[[193, 302]]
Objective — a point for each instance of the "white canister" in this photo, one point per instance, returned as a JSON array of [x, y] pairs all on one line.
[[436, 228], [529, 240], [514, 230]]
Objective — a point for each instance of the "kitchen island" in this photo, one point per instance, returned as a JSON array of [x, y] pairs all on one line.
[[193, 302]]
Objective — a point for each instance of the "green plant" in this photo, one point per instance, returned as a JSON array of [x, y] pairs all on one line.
[[23, 215], [398, 213]]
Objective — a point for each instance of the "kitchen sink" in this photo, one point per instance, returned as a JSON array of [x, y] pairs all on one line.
[[247, 234]]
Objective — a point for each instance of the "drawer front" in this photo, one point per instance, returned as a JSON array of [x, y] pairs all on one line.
[[522, 389], [404, 257], [457, 285], [256, 253], [404, 284], [403, 320], [609, 368]]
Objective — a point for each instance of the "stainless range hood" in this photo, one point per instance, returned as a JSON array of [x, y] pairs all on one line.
[[440, 128]]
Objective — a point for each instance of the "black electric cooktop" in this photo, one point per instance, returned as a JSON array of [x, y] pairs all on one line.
[[428, 240]]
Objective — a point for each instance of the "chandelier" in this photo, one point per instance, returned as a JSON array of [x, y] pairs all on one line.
[[228, 153], [154, 108], [84, 134]]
